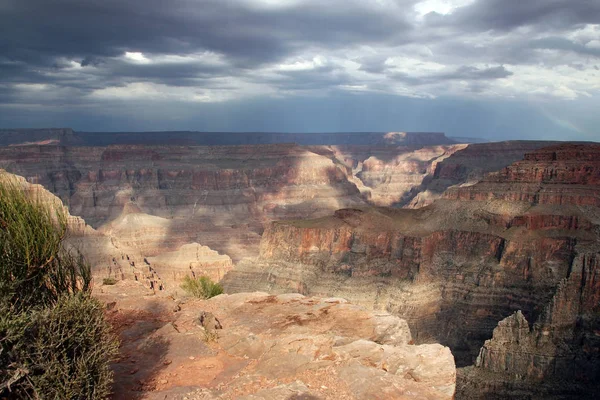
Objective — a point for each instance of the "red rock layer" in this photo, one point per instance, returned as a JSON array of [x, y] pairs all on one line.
[[558, 175]]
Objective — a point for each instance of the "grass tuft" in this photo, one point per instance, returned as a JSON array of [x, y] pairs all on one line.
[[202, 287]]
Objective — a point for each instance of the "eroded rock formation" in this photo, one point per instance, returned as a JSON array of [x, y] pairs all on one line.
[[455, 268], [559, 353], [217, 196]]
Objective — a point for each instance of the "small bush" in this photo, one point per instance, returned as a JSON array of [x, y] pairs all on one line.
[[109, 281], [59, 352], [202, 287], [35, 268], [54, 341]]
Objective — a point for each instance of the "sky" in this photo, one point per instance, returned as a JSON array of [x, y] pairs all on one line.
[[495, 69]]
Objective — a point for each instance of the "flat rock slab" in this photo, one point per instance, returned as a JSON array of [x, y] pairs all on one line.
[[270, 347]]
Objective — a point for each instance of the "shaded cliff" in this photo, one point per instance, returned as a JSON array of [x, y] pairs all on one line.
[[469, 165], [559, 353]]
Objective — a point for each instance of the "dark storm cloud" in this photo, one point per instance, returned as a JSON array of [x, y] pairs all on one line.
[[91, 30], [73, 52], [374, 65], [39, 36], [562, 44], [325, 76]]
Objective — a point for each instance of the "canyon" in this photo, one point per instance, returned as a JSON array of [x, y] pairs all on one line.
[[155, 198], [490, 249], [523, 240]]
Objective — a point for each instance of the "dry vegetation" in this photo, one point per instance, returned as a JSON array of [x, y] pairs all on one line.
[[54, 340]]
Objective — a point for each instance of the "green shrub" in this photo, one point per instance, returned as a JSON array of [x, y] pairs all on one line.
[[58, 352], [109, 281], [35, 267], [54, 340], [202, 287]]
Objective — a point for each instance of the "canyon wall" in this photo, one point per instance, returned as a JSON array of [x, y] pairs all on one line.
[[455, 268], [468, 166], [560, 351], [159, 198]]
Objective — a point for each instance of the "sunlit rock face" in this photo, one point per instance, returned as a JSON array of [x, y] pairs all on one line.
[[268, 347], [457, 267]]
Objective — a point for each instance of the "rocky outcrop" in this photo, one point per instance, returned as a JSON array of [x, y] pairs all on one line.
[[556, 175], [191, 260], [392, 176], [557, 357], [271, 347], [452, 269], [112, 257], [97, 248]]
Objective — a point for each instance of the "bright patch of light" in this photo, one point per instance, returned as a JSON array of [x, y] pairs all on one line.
[[439, 6], [31, 86], [136, 56], [304, 65]]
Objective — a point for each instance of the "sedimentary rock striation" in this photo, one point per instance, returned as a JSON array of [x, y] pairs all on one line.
[[455, 268], [217, 196], [191, 259], [559, 353], [468, 165], [156, 198]]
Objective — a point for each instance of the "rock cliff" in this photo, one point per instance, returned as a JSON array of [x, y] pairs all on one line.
[[455, 268], [560, 352], [468, 165], [157, 198]]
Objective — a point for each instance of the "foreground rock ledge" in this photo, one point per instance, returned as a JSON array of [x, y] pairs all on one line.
[[270, 347]]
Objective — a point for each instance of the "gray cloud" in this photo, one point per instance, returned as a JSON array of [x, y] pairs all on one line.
[[463, 73]]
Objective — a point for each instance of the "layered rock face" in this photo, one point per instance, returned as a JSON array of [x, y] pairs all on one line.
[[155, 199], [467, 166], [191, 259], [452, 269], [556, 175], [560, 352], [216, 196], [387, 176], [97, 248]]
